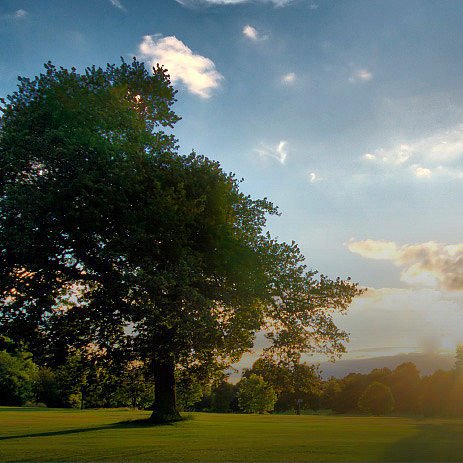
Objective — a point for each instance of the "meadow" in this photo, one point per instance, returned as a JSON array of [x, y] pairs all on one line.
[[37, 434]]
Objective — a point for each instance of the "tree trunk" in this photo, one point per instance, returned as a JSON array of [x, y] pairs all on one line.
[[165, 403]]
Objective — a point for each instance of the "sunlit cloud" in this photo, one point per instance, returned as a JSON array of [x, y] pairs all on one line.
[[422, 172], [438, 155], [278, 152], [430, 264], [289, 78], [313, 177], [195, 71], [251, 33], [117, 4], [361, 75]]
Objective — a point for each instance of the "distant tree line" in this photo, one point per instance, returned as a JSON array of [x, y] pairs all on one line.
[[87, 378]]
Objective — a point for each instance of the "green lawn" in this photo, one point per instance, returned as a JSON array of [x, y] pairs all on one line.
[[30, 434]]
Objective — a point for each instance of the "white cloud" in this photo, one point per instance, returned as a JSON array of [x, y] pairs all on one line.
[[313, 6], [19, 14], [422, 172], [252, 33], [313, 177], [278, 152], [361, 75], [289, 78], [196, 72], [427, 157], [277, 3], [428, 264], [117, 4]]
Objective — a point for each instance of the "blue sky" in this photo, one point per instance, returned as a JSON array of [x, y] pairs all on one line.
[[347, 114]]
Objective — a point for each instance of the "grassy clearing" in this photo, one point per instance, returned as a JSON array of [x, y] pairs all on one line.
[[28, 434]]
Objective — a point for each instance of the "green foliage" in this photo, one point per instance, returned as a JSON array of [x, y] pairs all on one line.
[[223, 397], [377, 399], [133, 387], [47, 389], [351, 388], [330, 390], [435, 393], [405, 383], [17, 375], [103, 225], [296, 384], [459, 360], [255, 395]]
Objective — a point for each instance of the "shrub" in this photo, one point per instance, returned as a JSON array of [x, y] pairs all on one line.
[[255, 395], [377, 399], [17, 374]]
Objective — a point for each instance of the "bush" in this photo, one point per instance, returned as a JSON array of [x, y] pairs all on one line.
[[377, 399], [17, 374], [46, 388], [222, 397], [255, 395]]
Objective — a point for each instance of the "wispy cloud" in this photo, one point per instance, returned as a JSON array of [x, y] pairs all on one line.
[[428, 264], [427, 157], [117, 4], [195, 71], [278, 152], [251, 33], [277, 3], [314, 177], [19, 14], [289, 78], [16, 15], [360, 75]]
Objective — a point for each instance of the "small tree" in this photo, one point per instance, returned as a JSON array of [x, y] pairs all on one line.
[[46, 388], [222, 397], [17, 375], [296, 384], [405, 382], [350, 389], [435, 393], [255, 395], [377, 399], [459, 360]]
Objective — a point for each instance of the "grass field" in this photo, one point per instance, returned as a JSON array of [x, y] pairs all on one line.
[[33, 434]]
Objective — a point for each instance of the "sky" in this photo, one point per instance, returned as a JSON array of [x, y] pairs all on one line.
[[348, 115]]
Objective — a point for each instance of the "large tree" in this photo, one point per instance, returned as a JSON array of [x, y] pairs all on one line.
[[109, 237]]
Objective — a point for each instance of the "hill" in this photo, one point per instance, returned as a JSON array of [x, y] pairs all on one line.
[[426, 364]]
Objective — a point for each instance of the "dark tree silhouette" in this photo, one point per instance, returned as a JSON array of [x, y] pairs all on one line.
[[377, 399], [103, 226]]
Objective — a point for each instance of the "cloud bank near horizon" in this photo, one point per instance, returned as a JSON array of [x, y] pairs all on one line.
[[430, 264]]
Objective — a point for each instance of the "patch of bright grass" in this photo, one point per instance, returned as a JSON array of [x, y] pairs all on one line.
[[28, 434]]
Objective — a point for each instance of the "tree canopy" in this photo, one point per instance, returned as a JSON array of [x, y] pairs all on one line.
[[110, 238], [377, 399], [255, 395]]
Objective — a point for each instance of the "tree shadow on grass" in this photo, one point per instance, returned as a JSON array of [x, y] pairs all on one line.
[[141, 423], [432, 442]]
